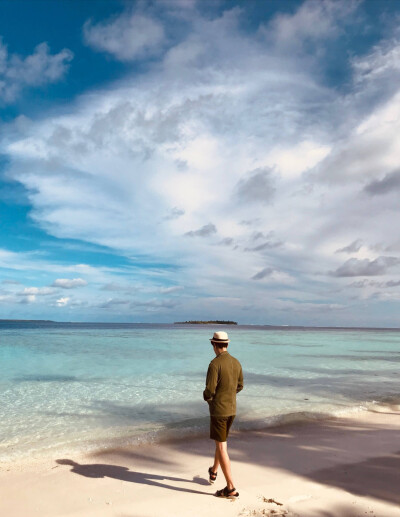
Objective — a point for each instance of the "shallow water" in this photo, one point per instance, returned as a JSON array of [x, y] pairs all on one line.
[[70, 386]]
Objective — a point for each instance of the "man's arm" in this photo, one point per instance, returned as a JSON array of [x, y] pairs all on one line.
[[211, 383], [240, 382]]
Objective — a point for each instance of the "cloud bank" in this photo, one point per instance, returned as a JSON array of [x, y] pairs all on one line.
[[232, 161]]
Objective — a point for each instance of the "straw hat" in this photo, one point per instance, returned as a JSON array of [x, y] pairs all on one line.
[[220, 337]]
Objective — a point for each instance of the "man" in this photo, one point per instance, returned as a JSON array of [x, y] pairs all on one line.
[[224, 380]]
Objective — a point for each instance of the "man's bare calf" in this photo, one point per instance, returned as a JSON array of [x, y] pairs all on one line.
[[222, 458]]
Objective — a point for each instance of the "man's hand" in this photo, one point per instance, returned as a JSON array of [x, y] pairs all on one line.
[[206, 396]]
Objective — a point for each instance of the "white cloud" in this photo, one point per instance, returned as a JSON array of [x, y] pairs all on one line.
[[382, 60], [130, 36], [37, 69], [296, 160], [69, 283], [38, 291], [145, 131], [62, 302], [313, 20], [30, 298]]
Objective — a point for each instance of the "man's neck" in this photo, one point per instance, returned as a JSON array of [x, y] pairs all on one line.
[[221, 350]]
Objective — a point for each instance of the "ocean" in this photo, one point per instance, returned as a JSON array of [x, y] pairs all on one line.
[[69, 387]]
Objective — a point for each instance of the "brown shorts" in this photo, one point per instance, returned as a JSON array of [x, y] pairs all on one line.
[[219, 427]]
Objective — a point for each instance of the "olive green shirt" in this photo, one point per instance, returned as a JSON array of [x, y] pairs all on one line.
[[224, 380]]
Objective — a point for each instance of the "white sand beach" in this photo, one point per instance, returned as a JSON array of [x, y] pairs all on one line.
[[343, 467]]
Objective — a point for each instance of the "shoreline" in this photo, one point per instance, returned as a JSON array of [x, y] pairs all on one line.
[[336, 467], [179, 432]]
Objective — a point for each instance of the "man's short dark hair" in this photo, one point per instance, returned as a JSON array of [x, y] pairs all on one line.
[[220, 344]]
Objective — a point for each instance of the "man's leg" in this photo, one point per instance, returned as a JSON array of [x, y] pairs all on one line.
[[222, 458], [216, 459]]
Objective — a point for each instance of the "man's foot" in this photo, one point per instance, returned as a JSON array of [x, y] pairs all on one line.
[[212, 476], [228, 494]]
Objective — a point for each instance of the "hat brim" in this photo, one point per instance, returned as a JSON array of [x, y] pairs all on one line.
[[219, 340]]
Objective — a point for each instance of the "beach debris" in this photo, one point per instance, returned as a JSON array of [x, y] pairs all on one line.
[[271, 501], [270, 511], [264, 512]]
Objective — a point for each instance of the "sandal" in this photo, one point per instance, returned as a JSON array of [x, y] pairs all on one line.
[[212, 476], [227, 493]]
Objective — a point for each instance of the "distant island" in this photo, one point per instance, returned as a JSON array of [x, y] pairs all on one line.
[[211, 322], [26, 321]]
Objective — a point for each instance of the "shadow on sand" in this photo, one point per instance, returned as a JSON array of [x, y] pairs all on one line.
[[350, 454], [100, 470]]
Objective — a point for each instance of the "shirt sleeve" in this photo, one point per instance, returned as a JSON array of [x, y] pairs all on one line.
[[240, 382], [211, 383]]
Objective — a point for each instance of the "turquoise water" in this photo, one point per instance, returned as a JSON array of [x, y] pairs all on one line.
[[67, 387]]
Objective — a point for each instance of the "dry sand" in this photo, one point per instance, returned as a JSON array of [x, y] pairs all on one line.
[[343, 467]]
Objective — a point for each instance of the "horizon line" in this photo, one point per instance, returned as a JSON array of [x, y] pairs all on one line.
[[327, 327]]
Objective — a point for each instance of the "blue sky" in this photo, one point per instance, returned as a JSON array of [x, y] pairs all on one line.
[[173, 160]]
